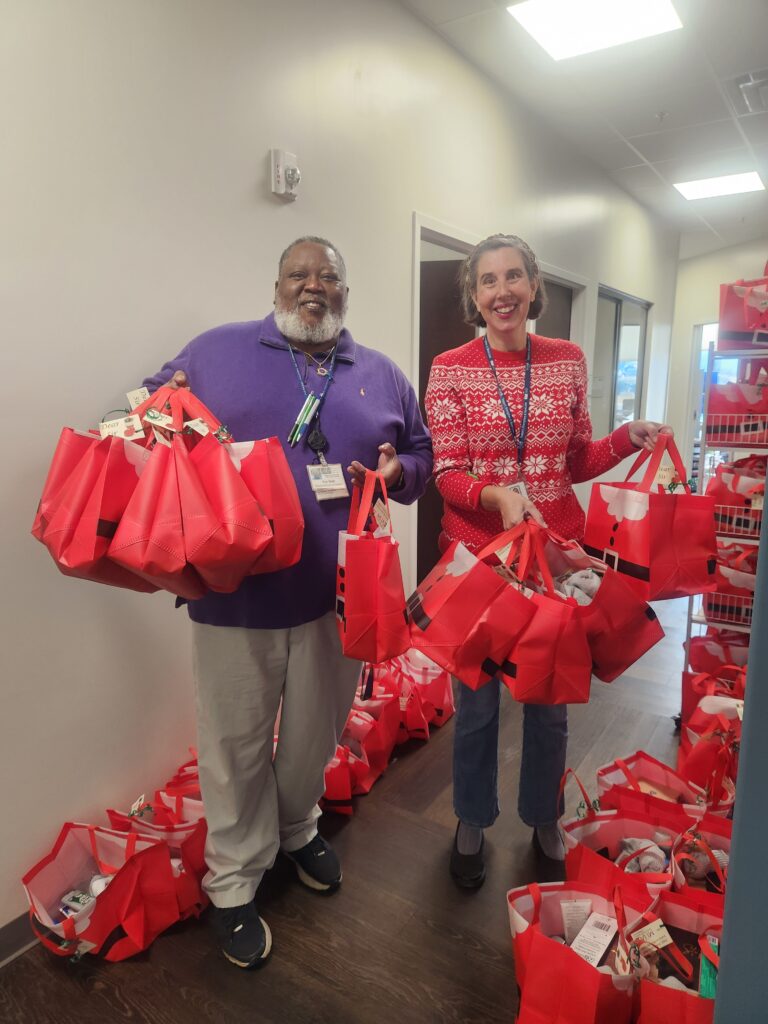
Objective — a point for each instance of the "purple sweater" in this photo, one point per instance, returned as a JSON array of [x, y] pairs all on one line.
[[244, 374]]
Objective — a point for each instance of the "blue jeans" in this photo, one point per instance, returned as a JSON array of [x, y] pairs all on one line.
[[476, 758]]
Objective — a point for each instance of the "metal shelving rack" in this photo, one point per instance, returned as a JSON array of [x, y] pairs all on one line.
[[735, 436]]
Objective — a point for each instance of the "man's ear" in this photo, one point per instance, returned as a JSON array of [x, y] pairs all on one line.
[[274, 298]]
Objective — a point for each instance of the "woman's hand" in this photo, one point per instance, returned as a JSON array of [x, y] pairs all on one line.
[[512, 507], [643, 433], [388, 465]]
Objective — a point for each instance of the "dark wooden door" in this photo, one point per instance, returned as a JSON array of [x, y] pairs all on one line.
[[441, 327]]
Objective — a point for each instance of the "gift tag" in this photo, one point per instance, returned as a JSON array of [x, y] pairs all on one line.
[[381, 514], [757, 502], [159, 419], [655, 935], [327, 481], [138, 806], [667, 478], [198, 425], [161, 438], [135, 398], [657, 790], [127, 426], [575, 914], [740, 709], [519, 488]]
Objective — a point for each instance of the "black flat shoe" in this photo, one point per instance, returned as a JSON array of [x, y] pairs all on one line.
[[467, 869]]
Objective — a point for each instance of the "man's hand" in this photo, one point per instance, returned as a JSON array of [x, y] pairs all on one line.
[[178, 380], [388, 465], [513, 507], [643, 433]]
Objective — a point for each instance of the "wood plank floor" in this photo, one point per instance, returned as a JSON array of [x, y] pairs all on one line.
[[398, 941]]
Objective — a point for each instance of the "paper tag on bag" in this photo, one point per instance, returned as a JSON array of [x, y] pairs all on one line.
[[161, 438], [381, 515], [666, 477], [127, 426], [652, 936], [159, 419], [137, 806], [135, 398], [757, 502], [594, 938], [198, 425], [740, 709]]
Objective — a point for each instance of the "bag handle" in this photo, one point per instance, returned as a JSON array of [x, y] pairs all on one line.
[[177, 401], [532, 555], [591, 812], [700, 843], [628, 774], [664, 443], [513, 537], [70, 936], [708, 952], [622, 863], [111, 869], [362, 502], [535, 894]]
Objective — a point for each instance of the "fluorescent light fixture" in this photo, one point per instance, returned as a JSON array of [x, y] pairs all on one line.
[[566, 28], [727, 185]]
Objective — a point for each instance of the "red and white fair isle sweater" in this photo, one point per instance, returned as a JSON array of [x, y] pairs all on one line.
[[473, 446]]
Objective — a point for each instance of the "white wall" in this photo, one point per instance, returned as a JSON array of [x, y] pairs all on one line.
[[135, 213], [697, 301]]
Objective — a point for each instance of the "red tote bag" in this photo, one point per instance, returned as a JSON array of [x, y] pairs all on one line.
[[88, 511], [709, 653], [743, 314], [70, 449], [738, 490], [467, 618], [558, 986], [663, 544], [138, 903], [640, 782], [370, 600]]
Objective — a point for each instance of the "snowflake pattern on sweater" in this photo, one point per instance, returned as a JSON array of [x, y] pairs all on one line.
[[473, 446]]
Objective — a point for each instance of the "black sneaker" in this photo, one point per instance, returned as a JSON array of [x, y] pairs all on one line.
[[244, 938], [467, 869], [317, 865]]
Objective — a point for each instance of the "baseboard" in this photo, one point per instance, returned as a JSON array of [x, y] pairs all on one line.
[[16, 938]]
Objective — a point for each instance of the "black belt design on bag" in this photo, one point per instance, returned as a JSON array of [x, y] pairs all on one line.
[[612, 560], [415, 611], [492, 668], [106, 528]]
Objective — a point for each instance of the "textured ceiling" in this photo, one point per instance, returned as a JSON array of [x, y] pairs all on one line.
[[650, 113]]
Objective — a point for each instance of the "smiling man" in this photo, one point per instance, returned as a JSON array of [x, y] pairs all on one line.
[[275, 638]]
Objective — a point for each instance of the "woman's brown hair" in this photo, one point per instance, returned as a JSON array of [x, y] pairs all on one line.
[[468, 276]]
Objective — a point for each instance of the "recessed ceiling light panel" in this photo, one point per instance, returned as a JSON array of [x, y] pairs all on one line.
[[727, 185], [567, 28]]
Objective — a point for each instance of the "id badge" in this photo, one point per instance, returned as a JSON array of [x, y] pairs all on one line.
[[327, 481], [519, 488]]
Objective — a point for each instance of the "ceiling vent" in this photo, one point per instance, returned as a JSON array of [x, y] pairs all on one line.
[[749, 93]]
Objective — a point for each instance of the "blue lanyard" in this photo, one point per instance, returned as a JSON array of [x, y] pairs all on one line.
[[518, 439], [328, 379]]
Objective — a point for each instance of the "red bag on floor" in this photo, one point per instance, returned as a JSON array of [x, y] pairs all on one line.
[[369, 747], [709, 744], [730, 682], [370, 601], [265, 471], [70, 449], [660, 1004], [186, 841], [663, 544], [88, 510], [743, 314], [717, 648], [383, 707], [432, 685], [149, 539], [338, 784], [558, 986], [127, 916], [642, 783], [467, 618]]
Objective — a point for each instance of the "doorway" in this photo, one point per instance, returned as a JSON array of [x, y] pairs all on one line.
[[441, 327]]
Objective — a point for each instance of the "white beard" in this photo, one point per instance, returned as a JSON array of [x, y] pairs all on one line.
[[290, 324]]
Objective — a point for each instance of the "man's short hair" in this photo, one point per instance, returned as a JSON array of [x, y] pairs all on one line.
[[318, 241]]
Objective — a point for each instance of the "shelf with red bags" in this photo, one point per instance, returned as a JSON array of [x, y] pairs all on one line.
[[738, 522], [729, 611], [736, 430]]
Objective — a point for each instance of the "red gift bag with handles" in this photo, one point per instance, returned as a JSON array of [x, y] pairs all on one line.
[[86, 512], [557, 986], [466, 617], [138, 903], [642, 783], [743, 314], [370, 600], [730, 681], [70, 449], [662, 543], [738, 490], [718, 647], [265, 471]]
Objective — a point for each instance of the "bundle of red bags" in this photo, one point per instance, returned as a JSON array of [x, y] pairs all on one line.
[[176, 507], [743, 314]]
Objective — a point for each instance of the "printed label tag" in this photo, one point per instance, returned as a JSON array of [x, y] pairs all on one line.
[[327, 481], [126, 426], [575, 914], [654, 934], [594, 938], [381, 514], [135, 398]]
